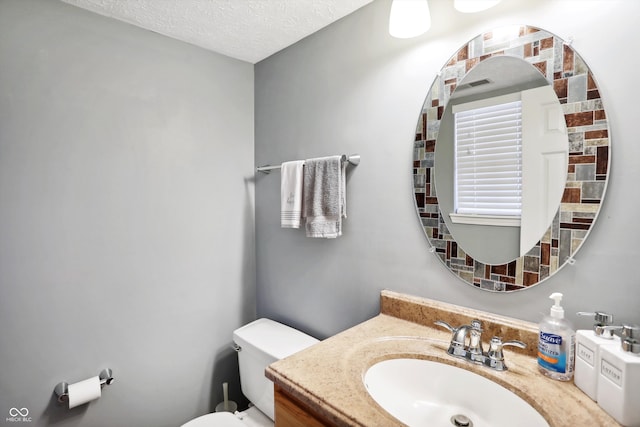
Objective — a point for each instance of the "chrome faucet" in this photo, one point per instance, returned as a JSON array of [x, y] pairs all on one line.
[[457, 346], [473, 351]]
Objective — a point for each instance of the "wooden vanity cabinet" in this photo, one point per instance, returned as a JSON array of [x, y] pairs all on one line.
[[290, 412]]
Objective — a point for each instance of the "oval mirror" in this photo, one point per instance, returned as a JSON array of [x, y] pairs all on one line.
[[511, 158]]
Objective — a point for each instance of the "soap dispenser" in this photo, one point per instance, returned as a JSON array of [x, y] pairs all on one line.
[[619, 381], [588, 343], [556, 343]]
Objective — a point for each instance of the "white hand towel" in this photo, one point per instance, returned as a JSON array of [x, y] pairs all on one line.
[[324, 196], [291, 194]]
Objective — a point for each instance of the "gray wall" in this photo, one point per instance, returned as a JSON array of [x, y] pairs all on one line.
[[126, 214], [351, 88], [126, 217]]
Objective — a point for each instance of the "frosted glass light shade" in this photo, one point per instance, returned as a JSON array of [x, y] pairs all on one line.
[[409, 18], [471, 6]]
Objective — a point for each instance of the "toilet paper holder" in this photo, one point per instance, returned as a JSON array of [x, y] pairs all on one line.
[[62, 388]]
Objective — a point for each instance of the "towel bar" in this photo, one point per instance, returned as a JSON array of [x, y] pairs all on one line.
[[353, 159]]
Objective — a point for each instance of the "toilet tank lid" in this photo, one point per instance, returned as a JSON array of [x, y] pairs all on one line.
[[273, 338]]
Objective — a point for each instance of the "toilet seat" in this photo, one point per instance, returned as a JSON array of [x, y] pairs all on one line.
[[216, 419], [252, 417]]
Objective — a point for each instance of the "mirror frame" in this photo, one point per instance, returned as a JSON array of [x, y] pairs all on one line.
[[589, 150]]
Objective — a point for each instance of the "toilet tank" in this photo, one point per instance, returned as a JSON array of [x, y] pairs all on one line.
[[261, 343]]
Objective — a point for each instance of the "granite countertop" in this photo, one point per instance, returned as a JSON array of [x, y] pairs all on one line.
[[327, 377]]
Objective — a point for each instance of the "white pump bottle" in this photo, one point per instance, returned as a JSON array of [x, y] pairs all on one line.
[[588, 345]]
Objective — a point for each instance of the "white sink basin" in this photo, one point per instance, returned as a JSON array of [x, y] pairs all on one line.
[[425, 393]]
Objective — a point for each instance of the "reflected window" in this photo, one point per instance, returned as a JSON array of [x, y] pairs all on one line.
[[488, 161]]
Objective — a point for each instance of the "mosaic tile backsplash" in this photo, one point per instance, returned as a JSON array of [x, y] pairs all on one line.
[[587, 169]]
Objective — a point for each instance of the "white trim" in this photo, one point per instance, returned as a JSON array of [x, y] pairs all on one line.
[[494, 220]]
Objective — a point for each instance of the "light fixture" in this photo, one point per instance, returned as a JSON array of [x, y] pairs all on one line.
[[471, 6], [409, 18]]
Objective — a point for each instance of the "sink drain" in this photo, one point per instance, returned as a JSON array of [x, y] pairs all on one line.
[[461, 420]]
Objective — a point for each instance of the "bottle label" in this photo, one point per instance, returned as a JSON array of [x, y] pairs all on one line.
[[551, 354], [585, 354], [611, 372]]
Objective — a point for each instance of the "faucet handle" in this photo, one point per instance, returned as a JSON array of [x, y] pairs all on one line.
[[514, 343], [495, 356], [496, 344], [458, 338], [459, 334], [445, 325]]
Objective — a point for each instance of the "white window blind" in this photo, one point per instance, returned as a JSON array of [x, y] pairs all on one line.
[[488, 159]]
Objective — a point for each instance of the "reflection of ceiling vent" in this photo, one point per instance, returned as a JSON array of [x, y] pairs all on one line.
[[475, 84], [479, 82]]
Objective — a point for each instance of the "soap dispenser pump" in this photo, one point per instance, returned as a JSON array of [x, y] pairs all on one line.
[[619, 378], [588, 344], [556, 343]]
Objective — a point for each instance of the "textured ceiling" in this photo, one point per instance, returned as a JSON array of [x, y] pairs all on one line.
[[249, 30]]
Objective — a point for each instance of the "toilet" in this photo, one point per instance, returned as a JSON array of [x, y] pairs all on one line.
[[259, 344]]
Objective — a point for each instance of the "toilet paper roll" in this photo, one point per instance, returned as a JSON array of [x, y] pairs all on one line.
[[84, 391]]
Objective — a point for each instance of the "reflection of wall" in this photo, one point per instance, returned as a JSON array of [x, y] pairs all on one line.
[[126, 230], [351, 88]]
